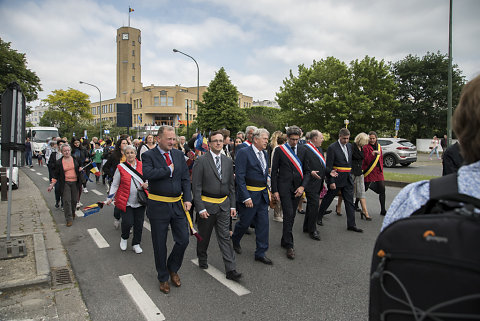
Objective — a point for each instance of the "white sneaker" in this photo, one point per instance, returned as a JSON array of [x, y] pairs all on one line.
[[137, 248], [123, 244], [85, 190], [116, 223], [278, 219]]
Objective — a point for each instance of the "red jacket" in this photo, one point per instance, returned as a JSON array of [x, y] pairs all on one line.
[[377, 173], [123, 192]]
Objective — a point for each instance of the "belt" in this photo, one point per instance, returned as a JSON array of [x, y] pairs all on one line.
[[166, 199], [343, 169], [214, 200], [255, 188]]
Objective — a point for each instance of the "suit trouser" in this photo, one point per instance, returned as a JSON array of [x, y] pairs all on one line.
[[160, 218], [221, 222], [258, 215], [70, 194], [289, 208], [134, 216], [347, 194], [313, 199]]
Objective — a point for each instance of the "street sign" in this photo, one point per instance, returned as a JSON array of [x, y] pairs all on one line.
[[106, 131], [397, 124]]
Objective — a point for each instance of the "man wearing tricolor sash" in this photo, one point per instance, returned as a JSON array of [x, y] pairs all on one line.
[[339, 157], [169, 201], [314, 164], [249, 139], [288, 183]]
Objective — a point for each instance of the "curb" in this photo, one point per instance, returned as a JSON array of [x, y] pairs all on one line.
[[396, 184]]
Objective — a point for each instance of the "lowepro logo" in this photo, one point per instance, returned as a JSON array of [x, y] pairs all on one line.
[[430, 236]]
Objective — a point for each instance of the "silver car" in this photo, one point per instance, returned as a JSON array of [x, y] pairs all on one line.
[[397, 151]]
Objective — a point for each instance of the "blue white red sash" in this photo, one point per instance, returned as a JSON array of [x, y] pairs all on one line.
[[317, 152], [292, 157], [247, 143]]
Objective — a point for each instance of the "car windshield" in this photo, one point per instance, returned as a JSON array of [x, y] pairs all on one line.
[[406, 143], [43, 135]]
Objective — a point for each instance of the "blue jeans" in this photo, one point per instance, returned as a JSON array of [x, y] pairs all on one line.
[[28, 158], [435, 150]]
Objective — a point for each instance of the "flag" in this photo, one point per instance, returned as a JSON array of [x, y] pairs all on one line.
[[130, 10], [201, 143], [95, 170], [92, 209]]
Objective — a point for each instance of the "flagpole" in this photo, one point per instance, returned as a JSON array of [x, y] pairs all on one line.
[[129, 16]]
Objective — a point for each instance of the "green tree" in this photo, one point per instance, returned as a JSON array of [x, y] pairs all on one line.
[[265, 117], [220, 108], [13, 67], [66, 109], [423, 92], [324, 95]]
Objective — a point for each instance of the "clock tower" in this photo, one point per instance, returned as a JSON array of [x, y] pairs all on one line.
[[128, 62]]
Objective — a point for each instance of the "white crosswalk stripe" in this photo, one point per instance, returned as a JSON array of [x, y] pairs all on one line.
[[32, 170], [96, 192], [45, 179], [79, 213], [220, 277], [144, 303], [39, 174], [98, 238], [147, 225]]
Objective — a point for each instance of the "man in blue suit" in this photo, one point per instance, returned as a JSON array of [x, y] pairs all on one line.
[[339, 158], [251, 172], [168, 183]]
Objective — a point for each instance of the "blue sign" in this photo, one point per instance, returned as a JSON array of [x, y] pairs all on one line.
[[106, 131], [397, 124]]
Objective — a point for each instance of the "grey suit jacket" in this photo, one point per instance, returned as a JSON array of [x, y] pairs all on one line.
[[206, 181]]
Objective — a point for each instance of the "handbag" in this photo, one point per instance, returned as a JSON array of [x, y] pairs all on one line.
[[141, 195]]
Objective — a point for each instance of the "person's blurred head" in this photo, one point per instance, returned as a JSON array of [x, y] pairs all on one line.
[[466, 121], [182, 140], [316, 137], [166, 137], [249, 132], [150, 139], [241, 135], [226, 136], [238, 141], [260, 138], [361, 139], [293, 135], [372, 138], [215, 141], [65, 150], [344, 135], [130, 153]]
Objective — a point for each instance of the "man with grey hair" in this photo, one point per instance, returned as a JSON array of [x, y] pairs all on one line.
[[249, 138], [288, 183], [339, 158], [251, 172]]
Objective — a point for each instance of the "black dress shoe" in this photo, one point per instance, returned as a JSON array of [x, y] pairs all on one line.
[[339, 213], [203, 265], [57, 205], [301, 211], [328, 212], [383, 213], [234, 275], [237, 248], [291, 253], [355, 229], [264, 260], [320, 222], [315, 236]]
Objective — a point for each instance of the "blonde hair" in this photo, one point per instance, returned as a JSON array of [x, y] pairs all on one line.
[[273, 139], [361, 139]]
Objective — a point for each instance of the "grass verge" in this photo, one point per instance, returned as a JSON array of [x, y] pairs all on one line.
[[408, 178]]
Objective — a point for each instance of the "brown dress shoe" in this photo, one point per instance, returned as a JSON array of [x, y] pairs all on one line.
[[165, 287], [291, 253], [175, 279], [69, 224]]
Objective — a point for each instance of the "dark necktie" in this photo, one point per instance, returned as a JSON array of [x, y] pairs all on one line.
[[219, 168]]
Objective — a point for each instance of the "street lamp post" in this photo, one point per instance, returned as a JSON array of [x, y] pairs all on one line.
[[86, 83], [198, 84]]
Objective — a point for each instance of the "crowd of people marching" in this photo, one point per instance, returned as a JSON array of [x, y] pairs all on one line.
[[215, 180]]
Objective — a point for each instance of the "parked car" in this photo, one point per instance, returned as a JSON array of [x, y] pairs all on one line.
[[397, 151]]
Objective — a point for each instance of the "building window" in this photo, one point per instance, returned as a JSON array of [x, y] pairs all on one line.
[[163, 100], [133, 52], [141, 103], [170, 101], [94, 110], [156, 102], [133, 65], [133, 42], [111, 108], [133, 78], [194, 105], [186, 103]]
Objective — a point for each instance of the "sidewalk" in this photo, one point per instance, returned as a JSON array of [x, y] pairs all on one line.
[[40, 285]]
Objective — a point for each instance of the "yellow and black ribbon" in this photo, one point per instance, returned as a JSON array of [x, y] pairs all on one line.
[[374, 163]]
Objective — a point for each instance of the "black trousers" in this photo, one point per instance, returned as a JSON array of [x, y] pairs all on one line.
[[379, 188], [289, 207], [134, 216], [311, 213], [347, 194]]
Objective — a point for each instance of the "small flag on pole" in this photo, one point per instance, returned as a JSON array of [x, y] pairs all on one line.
[[92, 209], [95, 170], [130, 10]]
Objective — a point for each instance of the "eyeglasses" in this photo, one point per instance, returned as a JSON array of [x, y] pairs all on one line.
[[217, 141]]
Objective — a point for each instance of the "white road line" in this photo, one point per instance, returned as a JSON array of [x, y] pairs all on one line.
[[147, 226], [144, 304], [39, 174], [45, 179], [96, 192], [220, 277], [32, 170], [79, 213], [98, 238]]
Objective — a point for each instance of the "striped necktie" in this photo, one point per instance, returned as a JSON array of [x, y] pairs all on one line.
[[260, 158], [219, 168]]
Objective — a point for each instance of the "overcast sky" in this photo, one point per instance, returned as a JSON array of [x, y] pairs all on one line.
[[256, 41]]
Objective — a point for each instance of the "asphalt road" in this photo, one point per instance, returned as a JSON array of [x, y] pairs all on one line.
[[328, 280], [423, 166]]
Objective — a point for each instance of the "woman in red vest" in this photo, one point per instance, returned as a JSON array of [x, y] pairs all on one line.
[[126, 181], [373, 169]]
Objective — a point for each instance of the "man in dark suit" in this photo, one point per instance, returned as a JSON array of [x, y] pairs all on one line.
[[249, 137], [315, 165], [214, 196], [168, 183], [251, 172], [288, 183], [339, 157]]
